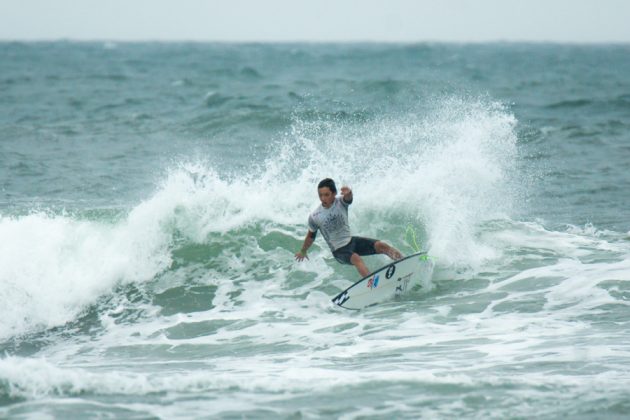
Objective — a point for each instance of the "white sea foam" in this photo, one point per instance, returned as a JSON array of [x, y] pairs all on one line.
[[34, 378], [446, 171], [51, 267]]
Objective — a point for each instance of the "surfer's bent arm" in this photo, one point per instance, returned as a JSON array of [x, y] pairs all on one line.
[[346, 192], [308, 241]]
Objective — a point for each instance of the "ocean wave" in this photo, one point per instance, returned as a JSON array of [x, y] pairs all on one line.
[[575, 103], [445, 173], [213, 99], [53, 266], [620, 102], [37, 379]]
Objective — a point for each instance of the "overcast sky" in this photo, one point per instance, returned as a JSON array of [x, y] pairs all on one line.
[[317, 20]]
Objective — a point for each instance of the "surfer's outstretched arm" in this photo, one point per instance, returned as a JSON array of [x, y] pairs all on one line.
[[308, 241]]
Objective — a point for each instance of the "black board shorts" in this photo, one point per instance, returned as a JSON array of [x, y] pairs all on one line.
[[359, 245]]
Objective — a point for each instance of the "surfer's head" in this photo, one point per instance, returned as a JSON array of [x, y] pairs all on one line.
[[329, 183], [327, 192]]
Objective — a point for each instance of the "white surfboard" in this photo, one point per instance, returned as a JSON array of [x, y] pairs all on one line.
[[391, 280]]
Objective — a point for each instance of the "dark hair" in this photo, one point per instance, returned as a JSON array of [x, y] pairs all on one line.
[[327, 182]]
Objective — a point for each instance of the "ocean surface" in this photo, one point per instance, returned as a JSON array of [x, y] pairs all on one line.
[[153, 196]]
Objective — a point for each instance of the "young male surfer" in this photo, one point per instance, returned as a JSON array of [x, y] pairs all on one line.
[[331, 217]]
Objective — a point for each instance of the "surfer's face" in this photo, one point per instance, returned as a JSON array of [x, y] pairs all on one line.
[[326, 196]]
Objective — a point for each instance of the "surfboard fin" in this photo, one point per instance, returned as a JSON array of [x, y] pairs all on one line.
[[410, 238]]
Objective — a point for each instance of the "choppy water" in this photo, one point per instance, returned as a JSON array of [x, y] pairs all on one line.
[[153, 196]]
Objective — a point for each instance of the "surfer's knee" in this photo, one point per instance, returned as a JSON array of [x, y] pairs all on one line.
[[381, 247]]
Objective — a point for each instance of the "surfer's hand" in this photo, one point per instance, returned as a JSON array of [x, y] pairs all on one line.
[[346, 193], [299, 256]]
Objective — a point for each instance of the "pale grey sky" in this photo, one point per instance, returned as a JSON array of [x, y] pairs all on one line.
[[317, 20]]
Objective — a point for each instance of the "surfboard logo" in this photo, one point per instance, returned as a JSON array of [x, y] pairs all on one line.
[[341, 299], [390, 272], [403, 283], [373, 282]]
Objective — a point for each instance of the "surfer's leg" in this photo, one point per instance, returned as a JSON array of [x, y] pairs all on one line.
[[357, 261], [382, 248]]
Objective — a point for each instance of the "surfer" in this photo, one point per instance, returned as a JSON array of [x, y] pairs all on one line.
[[331, 217]]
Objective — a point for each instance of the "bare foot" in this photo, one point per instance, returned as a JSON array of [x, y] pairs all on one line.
[[394, 254], [390, 251]]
